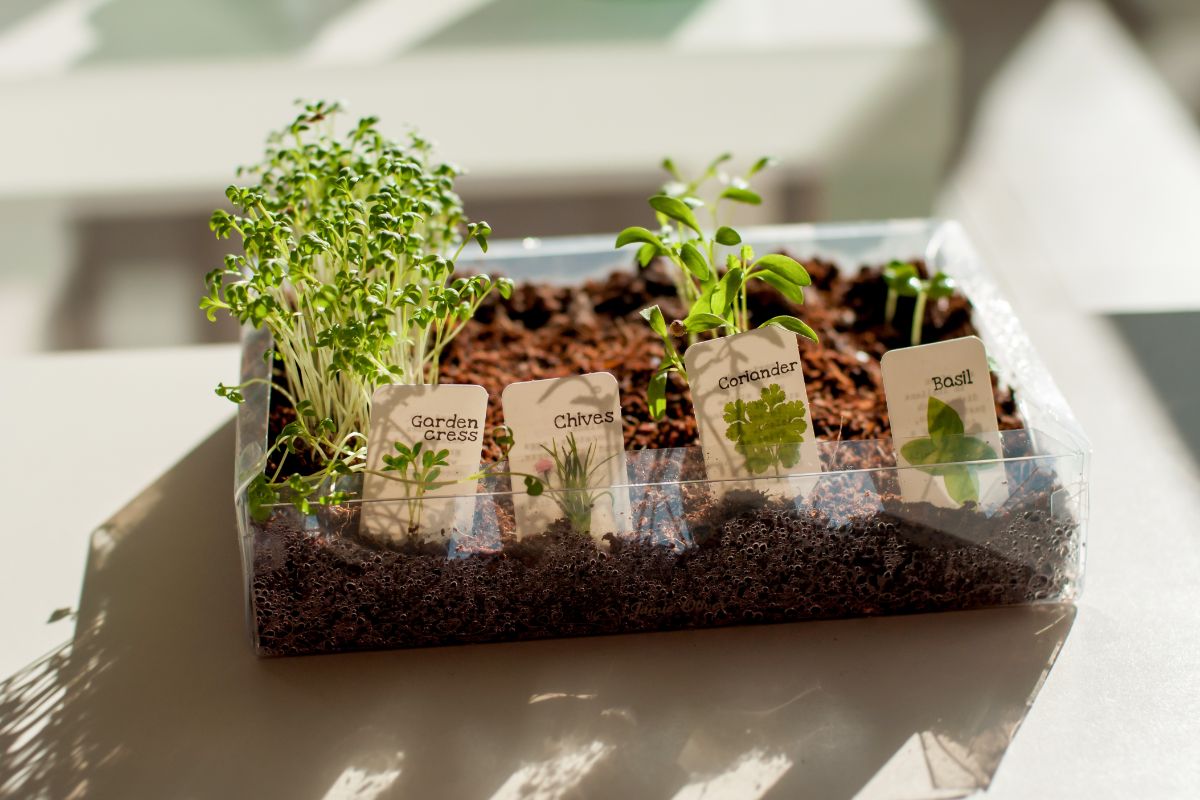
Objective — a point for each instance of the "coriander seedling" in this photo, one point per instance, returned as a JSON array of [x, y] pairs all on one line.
[[711, 284]]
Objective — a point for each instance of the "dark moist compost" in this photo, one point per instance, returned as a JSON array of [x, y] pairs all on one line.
[[850, 548]]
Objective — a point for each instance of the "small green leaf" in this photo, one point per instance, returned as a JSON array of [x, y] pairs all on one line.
[[961, 484], [970, 448], [711, 169], [646, 254], [897, 273], [671, 169], [676, 209], [920, 451], [733, 281], [698, 323], [656, 395], [654, 316], [695, 262], [637, 234], [740, 195], [788, 289], [763, 163], [533, 486], [942, 285], [792, 324], [785, 267], [726, 290], [727, 236], [943, 420]]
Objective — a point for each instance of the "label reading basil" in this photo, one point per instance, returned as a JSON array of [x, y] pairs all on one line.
[[943, 417]]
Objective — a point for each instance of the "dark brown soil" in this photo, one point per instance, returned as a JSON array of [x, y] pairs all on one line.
[[550, 332], [851, 548], [741, 560]]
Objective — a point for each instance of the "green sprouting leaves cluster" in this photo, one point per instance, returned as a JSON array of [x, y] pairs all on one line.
[[419, 467], [939, 453], [348, 258], [904, 280], [767, 432], [574, 469], [711, 282]]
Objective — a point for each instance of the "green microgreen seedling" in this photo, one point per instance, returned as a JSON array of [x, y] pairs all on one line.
[[939, 453], [711, 283], [574, 471], [348, 258], [767, 432], [904, 280]]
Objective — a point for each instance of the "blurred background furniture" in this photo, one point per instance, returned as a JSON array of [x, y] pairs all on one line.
[[134, 115]]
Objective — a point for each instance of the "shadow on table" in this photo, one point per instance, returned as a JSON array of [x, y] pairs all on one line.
[[1162, 343], [159, 695]]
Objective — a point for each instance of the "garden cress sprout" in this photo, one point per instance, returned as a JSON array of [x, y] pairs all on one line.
[[348, 256]]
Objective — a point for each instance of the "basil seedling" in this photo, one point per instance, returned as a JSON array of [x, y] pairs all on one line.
[[903, 280]]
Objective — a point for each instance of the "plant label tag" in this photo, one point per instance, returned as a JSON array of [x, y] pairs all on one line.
[[567, 432], [425, 441], [940, 402], [752, 409]]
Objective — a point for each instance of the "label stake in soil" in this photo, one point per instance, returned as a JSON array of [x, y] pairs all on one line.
[[425, 440], [568, 432], [940, 402], [751, 408]]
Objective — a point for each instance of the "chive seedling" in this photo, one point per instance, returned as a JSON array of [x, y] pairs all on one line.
[[711, 283], [903, 280], [348, 256]]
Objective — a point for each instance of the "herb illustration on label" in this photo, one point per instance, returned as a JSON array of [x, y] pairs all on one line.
[[418, 469], [568, 433], [425, 442], [767, 432], [944, 447], [752, 408], [942, 413], [572, 475]]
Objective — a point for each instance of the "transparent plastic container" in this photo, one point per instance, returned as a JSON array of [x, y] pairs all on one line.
[[699, 552]]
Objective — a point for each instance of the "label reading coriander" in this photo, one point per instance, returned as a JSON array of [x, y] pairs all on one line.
[[568, 433], [751, 406], [424, 441], [942, 411]]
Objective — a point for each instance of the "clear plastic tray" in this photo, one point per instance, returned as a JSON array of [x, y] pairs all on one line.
[[699, 552]]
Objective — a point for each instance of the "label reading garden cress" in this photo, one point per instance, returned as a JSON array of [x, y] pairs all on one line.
[[446, 421], [751, 406], [942, 411], [568, 433]]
